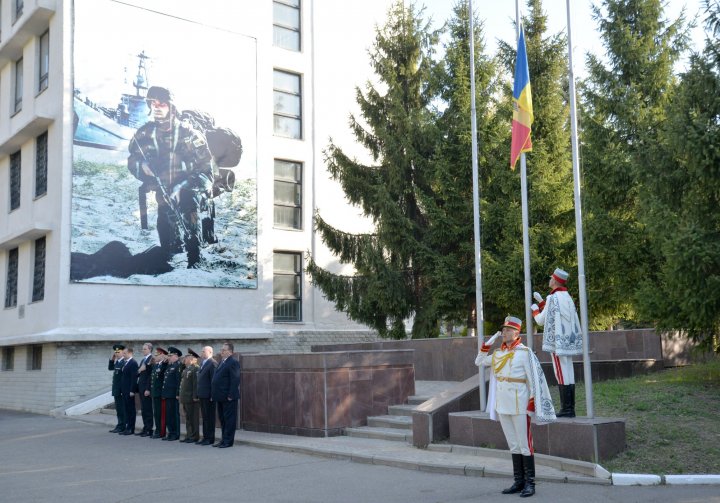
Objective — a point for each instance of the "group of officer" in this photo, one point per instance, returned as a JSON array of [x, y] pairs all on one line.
[[163, 382]]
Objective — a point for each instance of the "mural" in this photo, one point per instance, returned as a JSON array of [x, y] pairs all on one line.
[[164, 161]]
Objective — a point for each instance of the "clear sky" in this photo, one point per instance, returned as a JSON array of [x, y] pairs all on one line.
[[499, 15]]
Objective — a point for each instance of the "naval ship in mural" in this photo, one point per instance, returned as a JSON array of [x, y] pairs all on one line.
[[99, 126]]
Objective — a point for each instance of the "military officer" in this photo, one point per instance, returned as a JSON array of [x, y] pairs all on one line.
[[189, 397], [517, 391], [156, 385], [116, 365], [170, 391]]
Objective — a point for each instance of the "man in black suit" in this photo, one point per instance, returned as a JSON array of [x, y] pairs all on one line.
[[207, 407], [170, 392], [128, 387], [143, 384], [115, 365], [226, 393]]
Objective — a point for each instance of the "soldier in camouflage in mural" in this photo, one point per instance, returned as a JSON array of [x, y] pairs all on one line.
[[172, 158]]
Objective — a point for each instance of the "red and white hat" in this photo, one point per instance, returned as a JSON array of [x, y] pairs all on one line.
[[513, 322], [560, 276]]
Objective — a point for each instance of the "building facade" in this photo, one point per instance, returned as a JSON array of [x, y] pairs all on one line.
[[76, 231]]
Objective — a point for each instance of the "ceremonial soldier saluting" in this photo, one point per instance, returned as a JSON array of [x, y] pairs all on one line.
[[115, 365], [172, 158], [189, 397], [170, 391], [156, 385], [517, 391]]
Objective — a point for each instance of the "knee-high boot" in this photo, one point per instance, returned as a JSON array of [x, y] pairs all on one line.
[[518, 475], [570, 399], [561, 392], [529, 465]]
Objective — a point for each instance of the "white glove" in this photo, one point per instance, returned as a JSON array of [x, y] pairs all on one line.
[[537, 296], [534, 307], [492, 339]]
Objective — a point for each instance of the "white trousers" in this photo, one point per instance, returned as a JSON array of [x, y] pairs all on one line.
[[563, 368], [517, 433]]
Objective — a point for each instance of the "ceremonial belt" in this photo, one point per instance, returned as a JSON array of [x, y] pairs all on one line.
[[510, 379]]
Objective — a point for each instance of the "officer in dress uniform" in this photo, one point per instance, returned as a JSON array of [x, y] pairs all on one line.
[[156, 385], [115, 365], [562, 337], [170, 391], [517, 391], [189, 397], [171, 156]]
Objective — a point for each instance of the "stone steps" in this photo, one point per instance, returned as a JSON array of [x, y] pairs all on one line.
[[417, 400], [393, 434], [396, 422], [401, 410]]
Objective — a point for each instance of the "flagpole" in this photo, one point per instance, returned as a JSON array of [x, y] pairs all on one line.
[[525, 221], [578, 226], [479, 317]]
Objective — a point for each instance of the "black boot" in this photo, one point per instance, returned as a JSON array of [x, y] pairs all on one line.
[[561, 392], [529, 464], [567, 395], [518, 475]]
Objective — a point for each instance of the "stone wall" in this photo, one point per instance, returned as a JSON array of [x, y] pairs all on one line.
[[72, 371]]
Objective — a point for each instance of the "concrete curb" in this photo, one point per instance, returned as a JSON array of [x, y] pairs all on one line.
[[593, 475]]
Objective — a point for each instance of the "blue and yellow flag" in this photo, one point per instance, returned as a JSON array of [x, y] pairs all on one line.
[[522, 105]]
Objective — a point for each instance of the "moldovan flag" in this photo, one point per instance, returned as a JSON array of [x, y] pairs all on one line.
[[522, 105]]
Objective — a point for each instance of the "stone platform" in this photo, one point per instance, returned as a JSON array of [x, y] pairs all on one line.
[[581, 438]]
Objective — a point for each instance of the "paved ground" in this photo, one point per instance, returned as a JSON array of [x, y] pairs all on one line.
[[44, 459]]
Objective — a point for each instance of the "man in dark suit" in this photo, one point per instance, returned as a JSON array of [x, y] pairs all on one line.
[[225, 391], [171, 392], [160, 363], [128, 387], [143, 384], [207, 407], [115, 365]]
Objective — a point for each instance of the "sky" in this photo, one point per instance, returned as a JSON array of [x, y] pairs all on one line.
[[499, 15]]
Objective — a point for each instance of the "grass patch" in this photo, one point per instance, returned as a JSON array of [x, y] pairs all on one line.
[[672, 419]]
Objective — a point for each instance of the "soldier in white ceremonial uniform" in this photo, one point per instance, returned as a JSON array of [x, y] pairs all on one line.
[[562, 337], [517, 391]]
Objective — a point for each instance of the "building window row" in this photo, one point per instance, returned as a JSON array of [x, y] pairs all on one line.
[[286, 24], [34, 358], [38, 274], [41, 172]]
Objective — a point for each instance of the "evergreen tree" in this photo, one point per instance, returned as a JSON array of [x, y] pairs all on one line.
[[625, 102], [449, 205], [398, 129], [550, 189], [684, 197]]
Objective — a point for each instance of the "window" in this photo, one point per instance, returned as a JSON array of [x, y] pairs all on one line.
[[287, 104], [44, 63], [286, 24], [12, 279], [38, 291], [18, 85], [15, 164], [8, 358], [41, 159], [35, 357], [287, 301], [288, 194], [19, 4]]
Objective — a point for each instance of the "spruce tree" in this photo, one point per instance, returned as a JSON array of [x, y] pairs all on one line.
[[397, 127], [624, 102], [684, 197]]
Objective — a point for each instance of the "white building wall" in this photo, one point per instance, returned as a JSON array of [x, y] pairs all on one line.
[[85, 319]]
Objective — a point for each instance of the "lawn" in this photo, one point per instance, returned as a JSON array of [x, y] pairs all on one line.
[[673, 419]]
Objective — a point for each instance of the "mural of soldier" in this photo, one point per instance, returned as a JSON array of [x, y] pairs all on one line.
[[172, 159]]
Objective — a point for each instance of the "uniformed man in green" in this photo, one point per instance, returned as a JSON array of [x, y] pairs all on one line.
[[189, 397], [156, 385], [170, 392], [115, 365]]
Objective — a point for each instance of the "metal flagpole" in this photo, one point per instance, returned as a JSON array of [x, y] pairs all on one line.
[[525, 221], [479, 317], [578, 227]]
